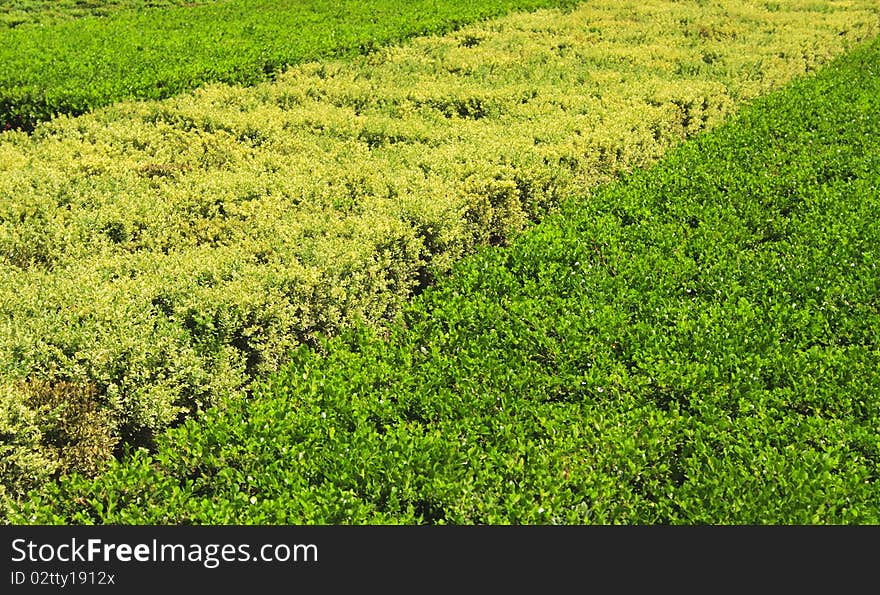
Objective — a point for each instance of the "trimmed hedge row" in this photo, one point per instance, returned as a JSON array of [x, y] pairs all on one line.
[[695, 344], [18, 13], [157, 257], [71, 67]]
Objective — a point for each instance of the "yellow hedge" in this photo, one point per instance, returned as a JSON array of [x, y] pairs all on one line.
[[156, 256]]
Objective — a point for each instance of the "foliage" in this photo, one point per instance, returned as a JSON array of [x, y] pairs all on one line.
[[694, 344], [162, 255], [167, 47], [16, 13]]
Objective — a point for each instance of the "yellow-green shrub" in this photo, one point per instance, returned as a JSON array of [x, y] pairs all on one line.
[[163, 254]]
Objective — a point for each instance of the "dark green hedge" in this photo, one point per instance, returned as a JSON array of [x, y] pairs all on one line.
[[695, 344], [74, 66]]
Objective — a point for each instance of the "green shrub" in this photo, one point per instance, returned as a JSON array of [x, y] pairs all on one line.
[[165, 254], [63, 57], [17, 13], [696, 344]]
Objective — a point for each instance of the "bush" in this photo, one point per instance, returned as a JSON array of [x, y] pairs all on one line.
[[693, 345], [163, 255]]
